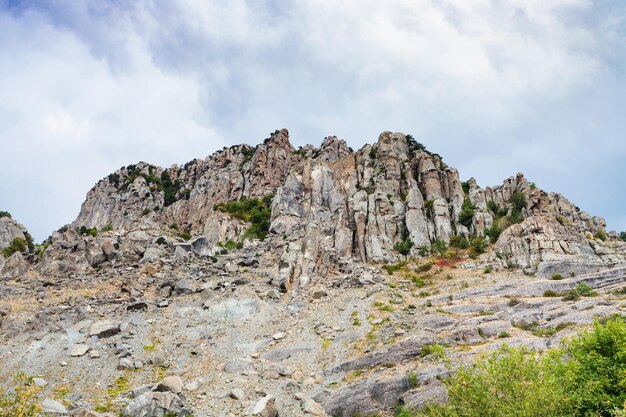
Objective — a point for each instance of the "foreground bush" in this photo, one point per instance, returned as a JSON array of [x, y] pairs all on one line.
[[585, 377], [21, 402]]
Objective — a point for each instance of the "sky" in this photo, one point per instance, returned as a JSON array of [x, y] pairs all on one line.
[[495, 87]]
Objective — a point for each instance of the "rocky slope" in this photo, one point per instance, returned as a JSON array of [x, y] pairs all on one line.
[[280, 281]]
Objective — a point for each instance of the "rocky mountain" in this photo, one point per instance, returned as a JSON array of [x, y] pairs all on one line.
[[332, 202], [271, 280]]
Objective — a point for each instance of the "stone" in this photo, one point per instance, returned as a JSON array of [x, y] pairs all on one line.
[[104, 328], [185, 286], [125, 364], [49, 406], [15, 266], [155, 404], [171, 383], [94, 354], [236, 394], [279, 336], [79, 349], [263, 407], [309, 406], [40, 382]]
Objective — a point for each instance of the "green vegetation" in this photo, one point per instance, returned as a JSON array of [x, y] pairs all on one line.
[[433, 351], [84, 231], [391, 268], [439, 246], [460, 242], [411, 378], [17, 245], [184, 235], [257, 212], [22, 400], [404, 247], [556, 277], [5, 214], [467, 213], [107, 227], [585, 377], [601, 234], [622, 236], [146, 211], [477, 246]]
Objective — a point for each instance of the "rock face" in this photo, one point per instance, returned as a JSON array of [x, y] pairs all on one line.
[[9, 230], [380, 203]]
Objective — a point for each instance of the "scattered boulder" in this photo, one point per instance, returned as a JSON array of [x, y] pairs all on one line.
[[53, 407], [171, 383], [79, 349], [104, 328], [156, 404], [263, 407]]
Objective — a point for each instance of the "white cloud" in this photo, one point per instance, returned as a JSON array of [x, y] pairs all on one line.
[[496, 87]]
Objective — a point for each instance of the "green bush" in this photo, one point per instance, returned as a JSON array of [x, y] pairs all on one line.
[[601, 234], [622, 236], [467, 213], [394, 267], [556, 277], [585, 377], [518, 201], [22, 401], [17, 245], [84, 231], [460, 242], [493, 233], [257, 212], [146, 211], [5, 214], [107, 227], [404, 247], [477, 246], [439, 246]]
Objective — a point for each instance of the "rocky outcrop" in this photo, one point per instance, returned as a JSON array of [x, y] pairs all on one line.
[[383, 202], [9, 230]]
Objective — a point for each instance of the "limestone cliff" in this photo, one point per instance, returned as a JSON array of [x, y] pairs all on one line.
[[380, 203]]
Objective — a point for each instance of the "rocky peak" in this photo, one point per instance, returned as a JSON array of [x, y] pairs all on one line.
[[388, 200]]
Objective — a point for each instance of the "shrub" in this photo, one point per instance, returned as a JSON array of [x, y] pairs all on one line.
[[257, 212], [585, 377], [394, 267], [585, 290], [404, 247], [488, 269], [477, 247], [185, 235], [493, 233], [622, 236], [174, 226], [439, 246], [550, 293], [107, 227], [146, 211], [556, 277], [161, 241], [467, 213], [518, 201], [411, 378], [423, 250], [5, 214], [601, 234], [17, 245], [460, 242], [435, 351], [22, 401]]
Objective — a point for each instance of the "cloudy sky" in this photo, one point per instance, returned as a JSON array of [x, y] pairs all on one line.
[[496, 87]]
